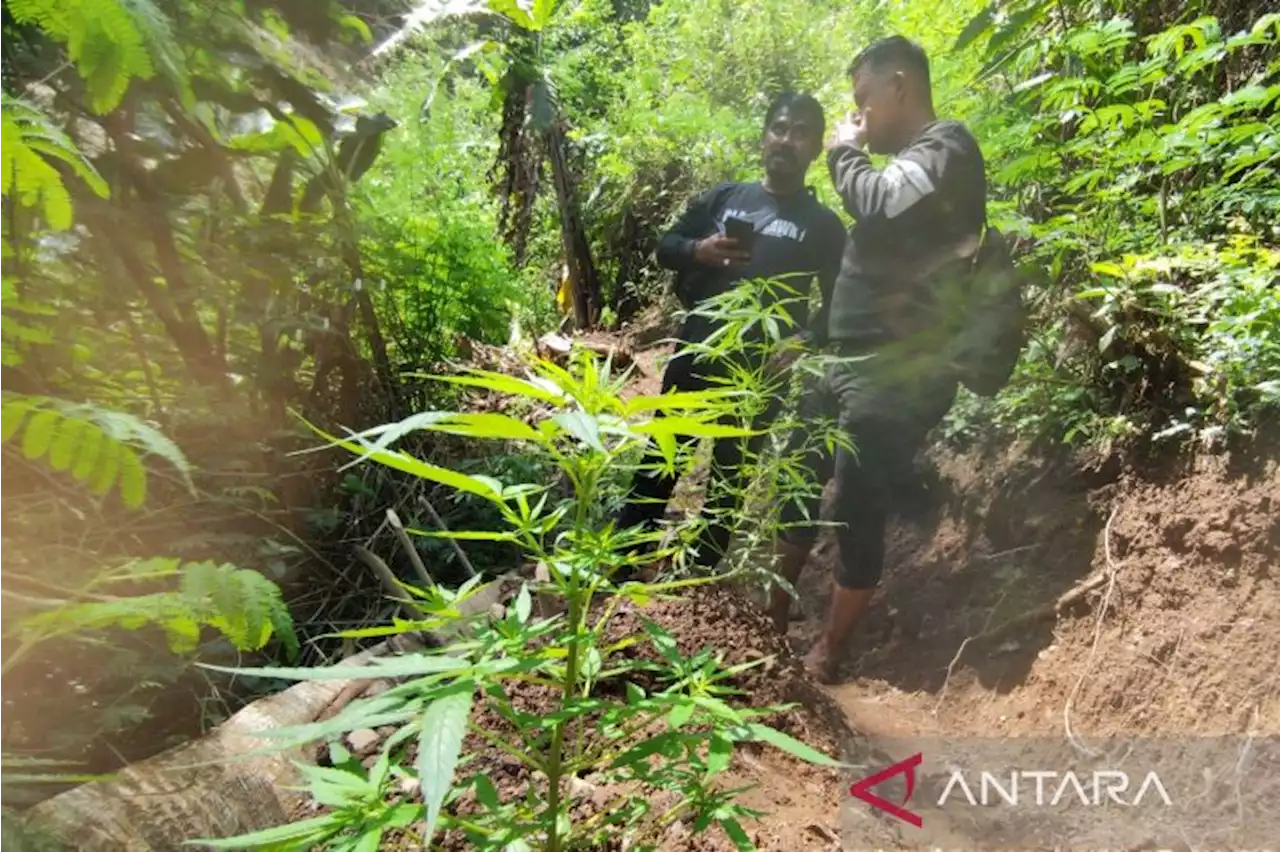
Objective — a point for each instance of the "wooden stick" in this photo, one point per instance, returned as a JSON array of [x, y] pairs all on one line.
[[407, 544], [389, 582], [439, 521]]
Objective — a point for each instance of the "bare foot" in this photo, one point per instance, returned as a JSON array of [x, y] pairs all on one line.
[[780, 614], [820, 663], [779, 624]]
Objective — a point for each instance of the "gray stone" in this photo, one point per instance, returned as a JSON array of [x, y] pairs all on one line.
[[361, 741]]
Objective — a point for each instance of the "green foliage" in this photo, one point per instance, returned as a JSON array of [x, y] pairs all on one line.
[[1104, 141], [19, 335], [436, 241], [1141, 167], [160, 267], [465, 513], [240, 604], [677, 733], [100, 448], [534, 18], [30, 141], [692, 94], [769, 478], [163, 261], [15, 835], [103, 449], [361, 811], [294, 131], [104, 38], [111, 43]]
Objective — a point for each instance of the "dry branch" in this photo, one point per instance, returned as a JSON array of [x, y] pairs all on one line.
[[414, 557], [1110, 577], [439, 522], [389, 581], [1065, 600], [557, 347]]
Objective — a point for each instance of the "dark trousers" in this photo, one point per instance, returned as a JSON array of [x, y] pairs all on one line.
[[652, 488], [888, 422]]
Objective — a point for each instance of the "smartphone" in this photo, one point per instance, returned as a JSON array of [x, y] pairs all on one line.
[[741, 230]]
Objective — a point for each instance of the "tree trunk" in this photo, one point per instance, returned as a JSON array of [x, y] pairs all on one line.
[[188, 336], [582, 269], [377, 343], [625, 299], [349, 243]]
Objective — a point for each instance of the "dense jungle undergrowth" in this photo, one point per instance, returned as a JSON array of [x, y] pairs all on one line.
[[236, 233]]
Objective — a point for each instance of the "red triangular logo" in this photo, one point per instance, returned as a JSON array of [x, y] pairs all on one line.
[[862, 790]]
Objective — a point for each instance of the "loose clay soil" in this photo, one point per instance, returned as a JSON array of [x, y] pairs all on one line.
[[1028, 595]]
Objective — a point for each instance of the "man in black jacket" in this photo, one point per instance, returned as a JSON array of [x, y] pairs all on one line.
[[918, 222], [796, 239]]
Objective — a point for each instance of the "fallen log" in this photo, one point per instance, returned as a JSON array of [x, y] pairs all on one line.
[[201, 789], [209, 787]]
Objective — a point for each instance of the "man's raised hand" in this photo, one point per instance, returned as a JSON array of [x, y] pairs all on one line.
[[850, 130], [720, 250]]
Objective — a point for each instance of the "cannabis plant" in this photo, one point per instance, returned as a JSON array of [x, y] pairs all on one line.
[[761, 359], [649, 722]]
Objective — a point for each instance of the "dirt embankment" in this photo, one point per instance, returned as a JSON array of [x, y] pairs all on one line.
[[1023, 599], [1017, 552], [1169, 624]]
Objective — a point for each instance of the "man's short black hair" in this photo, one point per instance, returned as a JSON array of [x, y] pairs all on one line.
[[797, 102], [893, 52]]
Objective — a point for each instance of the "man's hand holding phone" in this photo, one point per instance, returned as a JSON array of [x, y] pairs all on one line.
[[720, 250]]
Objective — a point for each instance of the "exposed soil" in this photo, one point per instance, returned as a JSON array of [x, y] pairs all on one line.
[[1165, 623], [1188, 642], [1175, 641]]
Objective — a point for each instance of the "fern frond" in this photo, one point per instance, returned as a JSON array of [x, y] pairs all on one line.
[[110, 42], [29, 141], [98, 446], [15, 333], [241, 604], [158, 35], [244, 605]]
